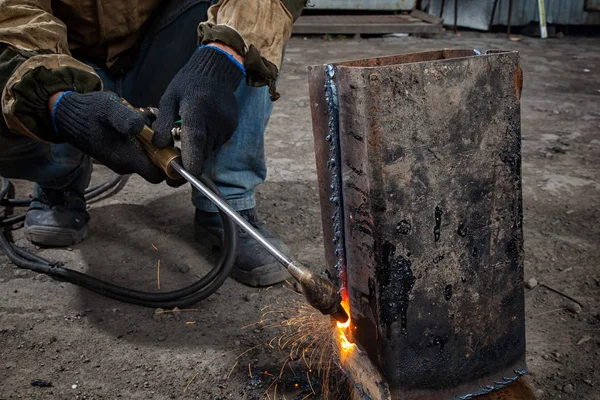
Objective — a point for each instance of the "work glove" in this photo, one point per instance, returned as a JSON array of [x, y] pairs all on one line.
[[100, 125], [202, 96]]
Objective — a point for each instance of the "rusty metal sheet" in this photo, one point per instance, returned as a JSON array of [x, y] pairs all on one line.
[[429, 155]]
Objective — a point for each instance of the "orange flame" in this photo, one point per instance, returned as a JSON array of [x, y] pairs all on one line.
[[345, 344]]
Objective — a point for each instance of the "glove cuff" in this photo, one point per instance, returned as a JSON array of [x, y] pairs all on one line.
[[228, 55], [213, 63], [73, 111], [68, 115]]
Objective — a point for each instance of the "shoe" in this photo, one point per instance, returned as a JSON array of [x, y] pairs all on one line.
[[254, 266], [56, 218]]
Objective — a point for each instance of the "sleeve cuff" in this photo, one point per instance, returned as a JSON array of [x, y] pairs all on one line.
[[259, 70], [26, 95]]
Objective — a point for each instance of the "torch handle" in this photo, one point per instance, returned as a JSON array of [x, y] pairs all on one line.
[[162, 158]]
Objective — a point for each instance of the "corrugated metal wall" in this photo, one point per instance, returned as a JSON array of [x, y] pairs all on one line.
[[563, 12], [592, 5]]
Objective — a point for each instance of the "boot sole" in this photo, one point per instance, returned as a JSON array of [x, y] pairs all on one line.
[[53, 236], [266, 275]]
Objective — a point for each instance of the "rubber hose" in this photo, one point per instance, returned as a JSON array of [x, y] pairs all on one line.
[[183, 297]]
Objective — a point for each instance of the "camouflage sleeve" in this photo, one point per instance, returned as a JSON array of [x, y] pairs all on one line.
[[35, 63], [258, 30]]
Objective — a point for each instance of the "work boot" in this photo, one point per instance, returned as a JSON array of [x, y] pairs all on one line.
[[254, 266], [56, 217]]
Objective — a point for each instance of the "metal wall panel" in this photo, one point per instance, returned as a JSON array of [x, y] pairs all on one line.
[[562, 12], [592, 5], [475, 14], [362, 4]]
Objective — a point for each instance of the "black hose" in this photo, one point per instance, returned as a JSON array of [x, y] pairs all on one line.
[[90, 193], [183, 297]]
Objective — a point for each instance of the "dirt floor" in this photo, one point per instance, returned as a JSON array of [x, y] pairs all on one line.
[[90, 347]]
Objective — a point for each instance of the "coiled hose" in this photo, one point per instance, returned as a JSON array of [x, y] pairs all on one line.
[[183, 297]]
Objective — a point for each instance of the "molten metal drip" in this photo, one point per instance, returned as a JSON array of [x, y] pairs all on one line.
[[345, 344]]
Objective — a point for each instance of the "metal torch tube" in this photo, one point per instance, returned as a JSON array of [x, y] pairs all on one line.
[[223, 206]]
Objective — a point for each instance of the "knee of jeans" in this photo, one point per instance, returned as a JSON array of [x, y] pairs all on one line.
[[66, 155]]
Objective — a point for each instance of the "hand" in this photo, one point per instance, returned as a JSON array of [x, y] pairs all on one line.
[[202, 95], [100, 125]]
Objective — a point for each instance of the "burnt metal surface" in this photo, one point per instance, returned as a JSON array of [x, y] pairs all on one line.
[[429, 154]]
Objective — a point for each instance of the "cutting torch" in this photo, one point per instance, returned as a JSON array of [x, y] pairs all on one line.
[[318, 291]]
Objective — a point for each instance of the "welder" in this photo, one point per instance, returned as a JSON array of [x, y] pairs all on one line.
[[66, 66]]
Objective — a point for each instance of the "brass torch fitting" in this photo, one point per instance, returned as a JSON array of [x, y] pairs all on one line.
[[162, 158], [319, 292]]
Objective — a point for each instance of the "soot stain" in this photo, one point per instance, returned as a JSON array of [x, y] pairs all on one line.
[[478, 191], [393, 154], [357, 171], [363, 226], [438, 341], [396, 281], [462, 230], [513, 251], [448, 292], [404, 227], [438, 223]]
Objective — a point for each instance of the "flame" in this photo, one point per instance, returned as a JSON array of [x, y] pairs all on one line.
[[345, 344]]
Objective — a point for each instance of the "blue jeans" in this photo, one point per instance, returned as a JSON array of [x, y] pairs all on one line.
[[236, 168]]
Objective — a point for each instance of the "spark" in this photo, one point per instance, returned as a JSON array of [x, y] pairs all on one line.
[[282, 368], [311, 386], [190, 382], [158, 273], [154, 247], [250, 349], [292, 369], [306, 336], [172, 311], [288, 282], [231, 370], [293, 291]]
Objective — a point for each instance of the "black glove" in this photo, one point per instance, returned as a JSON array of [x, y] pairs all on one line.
[[202, 95], [100, 125]]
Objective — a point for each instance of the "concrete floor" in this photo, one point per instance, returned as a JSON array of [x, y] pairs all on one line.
[[91, 347]]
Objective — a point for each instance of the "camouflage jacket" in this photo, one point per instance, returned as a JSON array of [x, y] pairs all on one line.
[[36, 47]]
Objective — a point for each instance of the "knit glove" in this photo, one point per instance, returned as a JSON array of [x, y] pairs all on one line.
[[100, 125], [202, 96]]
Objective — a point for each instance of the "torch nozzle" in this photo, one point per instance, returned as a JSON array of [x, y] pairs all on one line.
[[319, 292]]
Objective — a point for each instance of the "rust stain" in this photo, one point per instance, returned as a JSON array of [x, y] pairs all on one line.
[[518, 82]]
